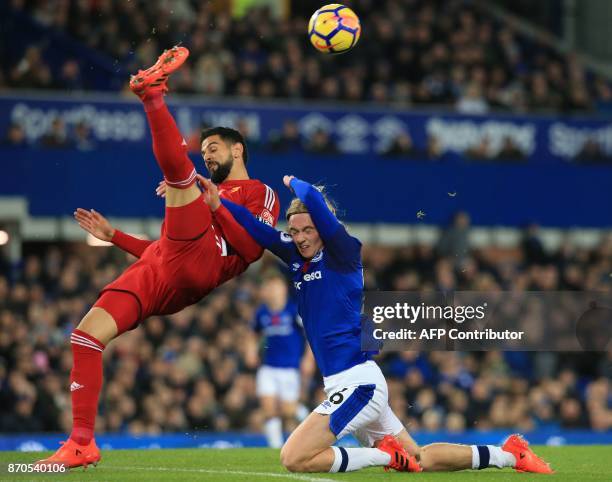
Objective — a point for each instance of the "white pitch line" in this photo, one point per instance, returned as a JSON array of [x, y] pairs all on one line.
[[305, 478]]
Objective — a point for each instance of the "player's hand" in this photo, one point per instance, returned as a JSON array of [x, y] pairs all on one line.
[[160, 190], [287, 181], [211, 192], [95, 224]]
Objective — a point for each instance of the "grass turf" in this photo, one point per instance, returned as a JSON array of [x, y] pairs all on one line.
[[583, 463]]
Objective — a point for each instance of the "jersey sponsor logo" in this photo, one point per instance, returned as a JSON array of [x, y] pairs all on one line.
[[286, 238], [297, 285], [229, 191], [278, 330], [266, 217], [313, 276]]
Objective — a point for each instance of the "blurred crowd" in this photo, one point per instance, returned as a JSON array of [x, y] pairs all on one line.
[[412, 52], [195, 370]]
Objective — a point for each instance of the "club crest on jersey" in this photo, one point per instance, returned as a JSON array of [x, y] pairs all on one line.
[[266, 217], [286, 238]]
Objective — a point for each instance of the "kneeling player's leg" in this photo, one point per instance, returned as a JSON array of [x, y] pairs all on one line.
[[447, 457], [111, 315], [309, 449], [438, 457]]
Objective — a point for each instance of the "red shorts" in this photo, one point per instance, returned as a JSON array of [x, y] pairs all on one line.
[[171, 274]]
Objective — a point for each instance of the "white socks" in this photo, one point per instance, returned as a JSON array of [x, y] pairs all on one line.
[[347, 460], [273, 429], [484, 456]]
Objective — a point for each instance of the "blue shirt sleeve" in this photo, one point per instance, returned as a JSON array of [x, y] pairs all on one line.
[[337, 240], [281, 244]]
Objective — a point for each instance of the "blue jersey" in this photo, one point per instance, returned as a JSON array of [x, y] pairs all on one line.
[[329, 287], [284, 342]]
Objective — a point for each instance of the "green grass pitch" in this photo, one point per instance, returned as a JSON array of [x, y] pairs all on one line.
[[581, 464]]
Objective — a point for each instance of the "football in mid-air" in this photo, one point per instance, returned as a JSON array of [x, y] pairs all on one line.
[[334, 29]]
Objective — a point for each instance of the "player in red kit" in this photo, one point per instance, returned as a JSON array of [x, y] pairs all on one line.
[[197, 251]]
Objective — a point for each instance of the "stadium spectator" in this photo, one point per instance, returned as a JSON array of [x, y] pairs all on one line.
[[201, 376], [509, 151], [434, 150], [320, 142], [15, 136], [31, 71], [82, 137], [56, 137], [480, 151], [454, 241], [402, 146], [591, 153], [287, 140], [70, 78], [475, 62], [472, 101]]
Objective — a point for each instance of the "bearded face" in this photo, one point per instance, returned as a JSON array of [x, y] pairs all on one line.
[[218, 158], [219, 170]]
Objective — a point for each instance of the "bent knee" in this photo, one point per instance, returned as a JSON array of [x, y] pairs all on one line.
[[99, 324], [292, 461]]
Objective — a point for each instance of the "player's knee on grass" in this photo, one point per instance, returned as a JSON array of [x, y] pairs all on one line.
[[293, 460]]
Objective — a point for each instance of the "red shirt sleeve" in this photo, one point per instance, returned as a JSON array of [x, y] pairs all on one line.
[[132, 245], [263, 203]]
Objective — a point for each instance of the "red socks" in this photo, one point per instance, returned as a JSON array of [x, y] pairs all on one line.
[[169, 145], [85, 385]]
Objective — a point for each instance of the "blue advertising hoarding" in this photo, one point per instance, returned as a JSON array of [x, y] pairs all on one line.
[[119, 174], [117, 122]]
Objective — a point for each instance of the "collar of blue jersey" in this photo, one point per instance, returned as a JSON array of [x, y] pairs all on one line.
[[317, 257]]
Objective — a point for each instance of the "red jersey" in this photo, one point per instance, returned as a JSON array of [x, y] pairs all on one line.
[[170, 275], [261, 201]]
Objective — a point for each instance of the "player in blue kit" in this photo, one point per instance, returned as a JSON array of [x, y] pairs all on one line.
[[328, 277], [278, 378]]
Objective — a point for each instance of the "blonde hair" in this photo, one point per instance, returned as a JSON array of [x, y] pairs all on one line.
[[298, 207]]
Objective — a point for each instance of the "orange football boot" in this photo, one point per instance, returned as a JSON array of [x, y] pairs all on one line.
[[155, 78], [71, 454], [526, 459], [400, 460]]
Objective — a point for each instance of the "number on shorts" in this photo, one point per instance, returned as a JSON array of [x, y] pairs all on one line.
[[337, 398]]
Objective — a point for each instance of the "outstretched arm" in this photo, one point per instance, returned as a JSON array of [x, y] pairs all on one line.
[[99, 227], [326, 222], [266, 236], [332, 232], [233, 232], [235, 235]]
